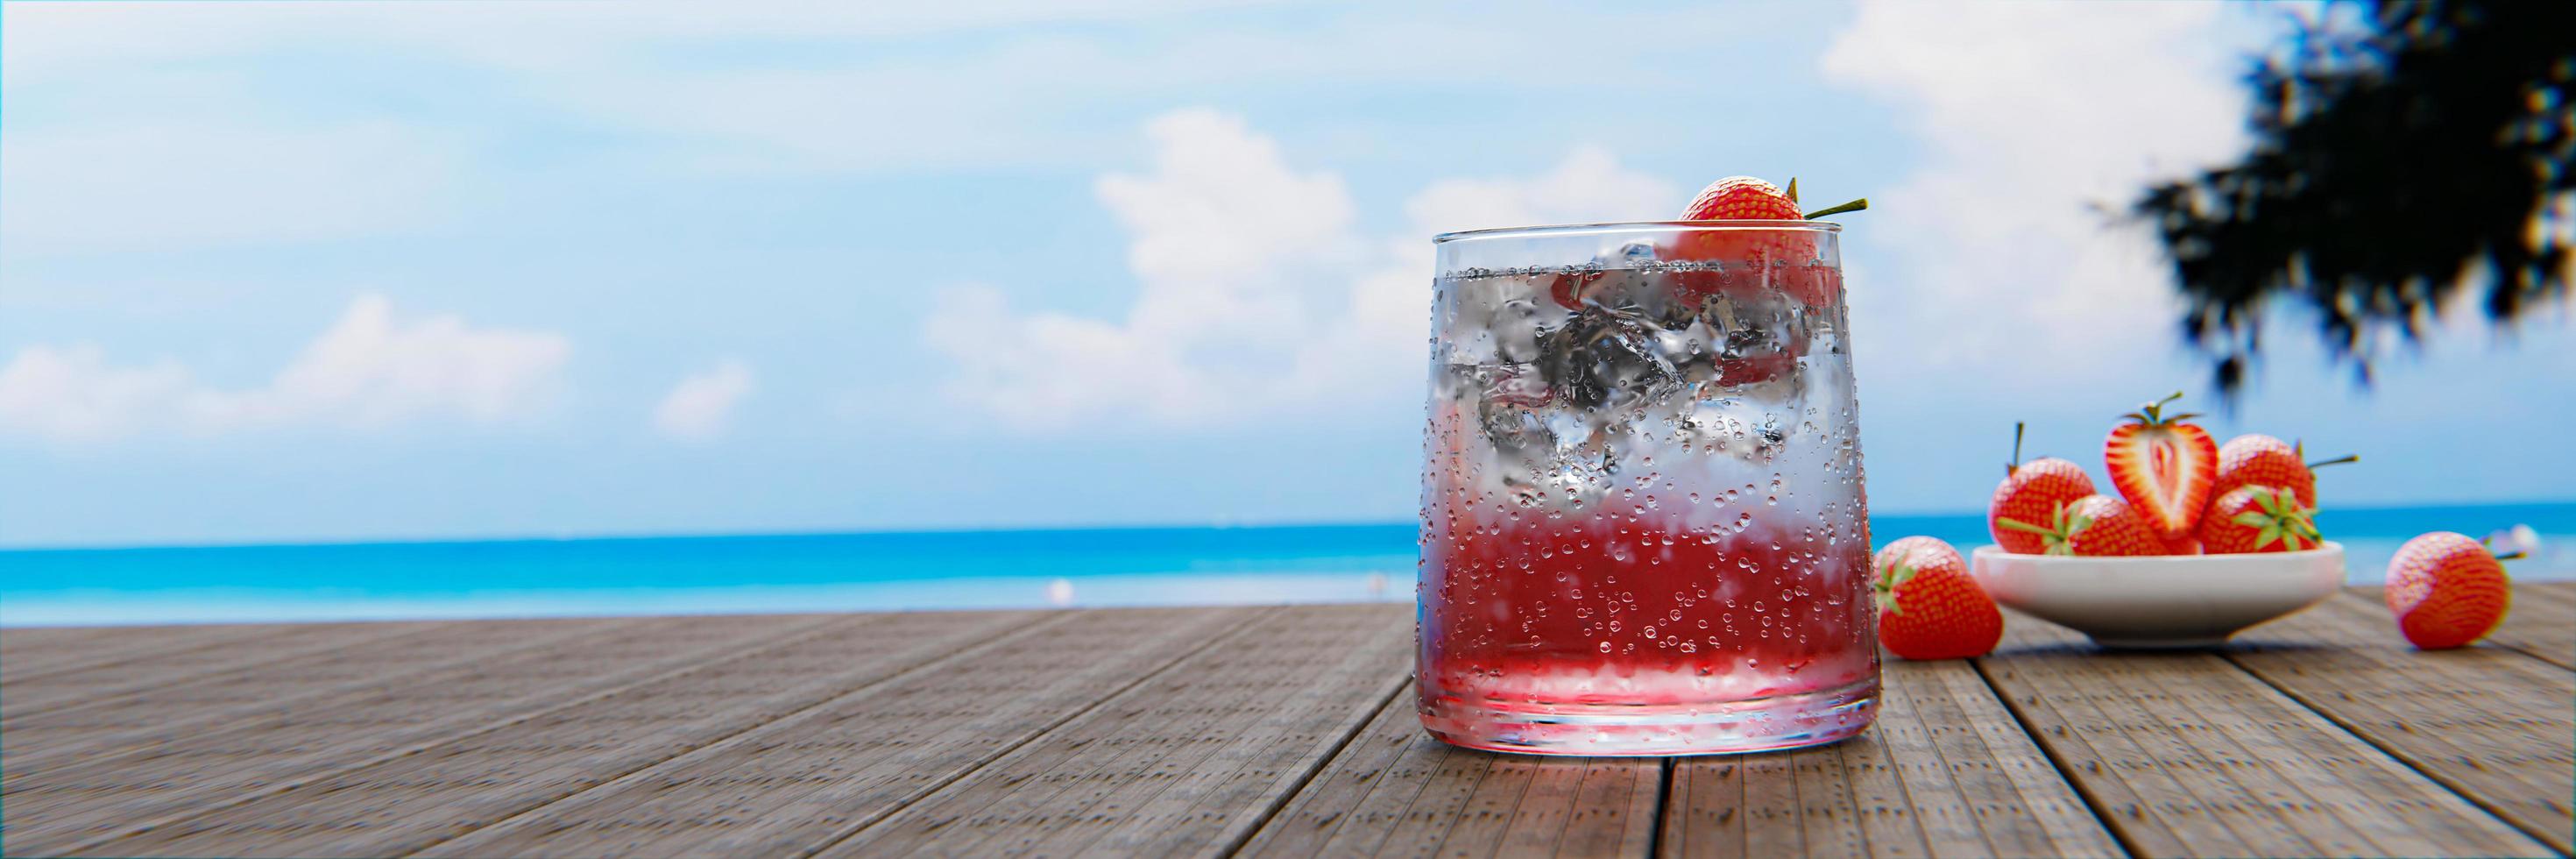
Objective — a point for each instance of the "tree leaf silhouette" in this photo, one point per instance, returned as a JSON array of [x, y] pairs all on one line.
[[2400, 155]]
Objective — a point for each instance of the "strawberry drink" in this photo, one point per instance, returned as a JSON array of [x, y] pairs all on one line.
[[1644, 529]]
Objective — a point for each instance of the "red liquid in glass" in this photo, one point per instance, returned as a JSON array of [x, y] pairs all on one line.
[[1631, 611]]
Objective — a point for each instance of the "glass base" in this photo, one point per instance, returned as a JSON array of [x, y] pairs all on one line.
[[1733, 727]]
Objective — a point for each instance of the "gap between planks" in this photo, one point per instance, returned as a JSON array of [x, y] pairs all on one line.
[[665, 783]]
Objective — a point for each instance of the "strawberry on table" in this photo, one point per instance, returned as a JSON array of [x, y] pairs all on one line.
[[2031, 492], [1928, 607], [2447, 590], [2259, 519], [2163, 466], [2255, 459], [2095, 525]]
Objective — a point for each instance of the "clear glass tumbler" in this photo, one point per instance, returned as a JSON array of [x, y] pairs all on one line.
[[1643, 523]]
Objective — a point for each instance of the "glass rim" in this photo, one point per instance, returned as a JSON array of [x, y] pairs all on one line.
[[1618, 227]]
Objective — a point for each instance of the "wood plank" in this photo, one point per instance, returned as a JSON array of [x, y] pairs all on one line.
[[1943, 772], [2490, 723], [1195, 758], [1392, 791], [275, 691], [2542, 622], [2183, 753], [816, 776], [403, 804], [104, 682], [29, 653], [53, 810]]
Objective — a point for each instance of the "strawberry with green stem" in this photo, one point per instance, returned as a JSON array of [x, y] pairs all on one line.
[[2031, 492], [2164, 466], [2255, 459], [1748, 256], [2095, 525], [1928, 607], [2259, 519]]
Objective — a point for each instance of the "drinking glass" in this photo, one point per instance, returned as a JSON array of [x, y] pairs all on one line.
[[1643, 523]]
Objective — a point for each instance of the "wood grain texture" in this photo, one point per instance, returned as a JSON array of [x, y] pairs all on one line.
[[2182, 753], [1395, 791], [1279, 731], [2542, 622], [403, 804], [2491, 723], [30, 653], [817, 776], [1191, 760], [275, 691], [1944, 772], [55, 809], [106, 682]]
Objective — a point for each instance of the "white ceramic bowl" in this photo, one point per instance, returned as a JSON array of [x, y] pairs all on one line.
[[2160, 602]]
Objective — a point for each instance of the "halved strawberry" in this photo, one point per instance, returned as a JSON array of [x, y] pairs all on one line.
[[1928, 607], [2255, 459], [2163, 466], [2447, 590], [2031, 492], [2094, 525], [2259, 519]]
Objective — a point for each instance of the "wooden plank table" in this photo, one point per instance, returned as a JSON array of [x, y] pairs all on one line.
[[1272, 731]]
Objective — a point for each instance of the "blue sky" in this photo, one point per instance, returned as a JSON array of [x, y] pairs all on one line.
[[345, 271]]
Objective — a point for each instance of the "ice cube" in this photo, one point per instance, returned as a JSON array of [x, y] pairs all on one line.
[[1604, 355]]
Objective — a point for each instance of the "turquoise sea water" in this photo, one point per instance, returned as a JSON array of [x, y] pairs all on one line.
[[891, 571]]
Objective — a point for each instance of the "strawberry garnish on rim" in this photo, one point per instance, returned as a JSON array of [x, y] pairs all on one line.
[[2163, 466], [1743, 198], [1745, 254]]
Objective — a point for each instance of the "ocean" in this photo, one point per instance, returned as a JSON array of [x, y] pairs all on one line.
[[888, 571]]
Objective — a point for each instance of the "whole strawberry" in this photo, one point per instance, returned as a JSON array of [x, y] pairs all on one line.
[[2031, 492], [2258, 519], [1753, 260], [2447, 590], [1928, 607], [2095, 525], [2163, 466], [2255, 459], [1742, 198]]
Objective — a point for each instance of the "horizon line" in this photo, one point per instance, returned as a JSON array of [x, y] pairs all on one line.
[[1287, 524]]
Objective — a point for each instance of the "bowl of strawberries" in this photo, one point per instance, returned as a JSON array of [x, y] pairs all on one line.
[[2196, 542]]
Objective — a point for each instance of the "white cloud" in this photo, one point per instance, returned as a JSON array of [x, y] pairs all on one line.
[[72, 393], [701, 405], [2035, 117], [1257, 292], [369, 370]]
